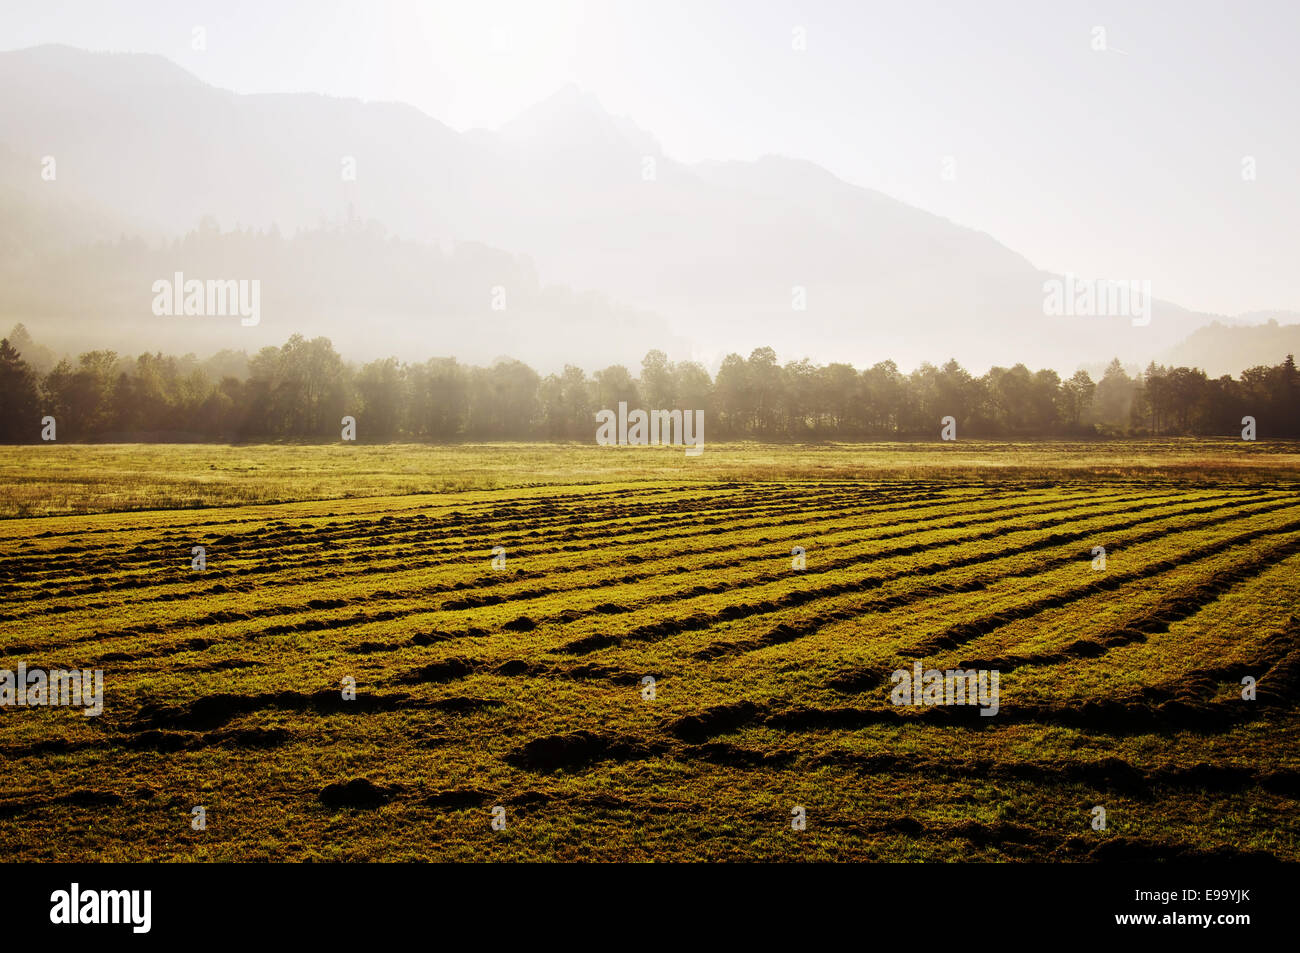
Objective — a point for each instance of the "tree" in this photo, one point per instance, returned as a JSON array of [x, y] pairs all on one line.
[[503, 402], [839, 399], [1076, 398], [765, 391], [922, 410], [801, 404], [731, 389], [1113, 401], [567, 409], [1045, 411], [438, 391], [694, 387], [302, 389], [81, 397], [1012, 400], [38, 357], [658, 384], [381, 386], [1288, 409], [956, 393], [19, 397], [1185, 390], [615, 384], [885, 390]]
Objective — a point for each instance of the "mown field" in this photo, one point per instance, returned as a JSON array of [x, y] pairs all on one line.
[[522, 687], [68, 478]]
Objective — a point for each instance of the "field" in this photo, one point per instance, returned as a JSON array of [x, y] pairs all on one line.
[[500, 610]]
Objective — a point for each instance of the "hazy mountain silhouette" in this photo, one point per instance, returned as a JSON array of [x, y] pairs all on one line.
[[716, 250], [1223, 349]]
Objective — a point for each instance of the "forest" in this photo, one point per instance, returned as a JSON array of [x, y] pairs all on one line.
[[302, 389]]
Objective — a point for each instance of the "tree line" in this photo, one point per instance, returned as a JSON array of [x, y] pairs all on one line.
[[302, 390]]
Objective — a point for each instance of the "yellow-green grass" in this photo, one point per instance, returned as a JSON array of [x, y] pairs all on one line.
[[522, 687], [72, 478]]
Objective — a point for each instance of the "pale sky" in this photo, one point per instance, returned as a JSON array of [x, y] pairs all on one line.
[[1123, 163]]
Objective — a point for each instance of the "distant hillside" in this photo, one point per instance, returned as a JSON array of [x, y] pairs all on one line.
[[1227, 349], [372, 294], [1263, 317], [730, 255]]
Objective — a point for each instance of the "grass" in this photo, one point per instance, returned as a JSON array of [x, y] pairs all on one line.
[[522, 686], [81, 478]]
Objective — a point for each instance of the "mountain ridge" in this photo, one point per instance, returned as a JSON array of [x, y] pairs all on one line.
[[732, 254]]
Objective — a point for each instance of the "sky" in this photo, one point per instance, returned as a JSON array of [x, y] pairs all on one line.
[[1150, 141]]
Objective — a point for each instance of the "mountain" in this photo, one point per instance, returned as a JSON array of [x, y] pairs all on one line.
[[1263, 317], [1221, 349], [695, 259]]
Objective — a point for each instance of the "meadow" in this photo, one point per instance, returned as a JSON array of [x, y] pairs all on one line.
[[565, 653], [85, 478]]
